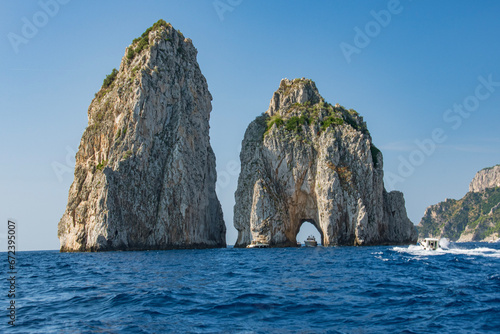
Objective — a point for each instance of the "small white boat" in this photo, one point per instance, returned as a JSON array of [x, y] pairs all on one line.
[[311, 241], [257, 244], [430, 243]]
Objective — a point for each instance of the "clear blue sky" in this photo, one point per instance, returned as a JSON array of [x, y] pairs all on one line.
[[403, 77]]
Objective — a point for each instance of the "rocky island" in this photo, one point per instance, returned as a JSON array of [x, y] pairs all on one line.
[[475, 217], [307, 160], [145, 171]]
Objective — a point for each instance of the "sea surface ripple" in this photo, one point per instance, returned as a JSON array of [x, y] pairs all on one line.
[[291, 290]]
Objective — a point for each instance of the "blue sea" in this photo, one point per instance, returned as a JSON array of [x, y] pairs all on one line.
[[292, 290]]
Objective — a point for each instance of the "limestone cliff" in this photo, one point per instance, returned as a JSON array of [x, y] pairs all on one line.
[[475, 217], [486, 178], [145, 172], [306, 160]]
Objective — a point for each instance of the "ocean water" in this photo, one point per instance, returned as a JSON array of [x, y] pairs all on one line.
[[292, 290]]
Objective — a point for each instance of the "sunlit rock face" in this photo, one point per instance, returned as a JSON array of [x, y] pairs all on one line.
[[145, 172], [306, 160], [486, 178]]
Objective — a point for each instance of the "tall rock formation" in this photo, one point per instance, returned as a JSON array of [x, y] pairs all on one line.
[[306, 160], [145, 172], [475, 217]]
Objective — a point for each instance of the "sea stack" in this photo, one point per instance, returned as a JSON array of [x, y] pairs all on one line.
[[307, 160], [145, 171]]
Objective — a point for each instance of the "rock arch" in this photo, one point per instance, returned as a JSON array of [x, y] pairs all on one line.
[[306, 160], [315, 225]]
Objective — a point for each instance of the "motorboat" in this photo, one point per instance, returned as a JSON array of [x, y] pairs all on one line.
[[259, 242], [430, 243], [311, 241]]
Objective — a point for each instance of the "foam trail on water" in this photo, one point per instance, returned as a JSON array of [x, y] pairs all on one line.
[[418, 250]]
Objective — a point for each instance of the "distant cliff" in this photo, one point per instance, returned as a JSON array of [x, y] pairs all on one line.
[[475, 217], [486, 178], [145, 172], [307, 160]]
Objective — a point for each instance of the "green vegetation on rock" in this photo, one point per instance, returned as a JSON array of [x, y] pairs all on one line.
[[349, 120], [295, 123], [478, 213], [302, 122], [101, 165], [99, 116], [331, 120], [488, 168], [275, 119], [321, 113], [140, 43], [110, 78]]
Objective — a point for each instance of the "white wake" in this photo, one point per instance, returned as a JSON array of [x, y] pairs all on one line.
[[418, 250]]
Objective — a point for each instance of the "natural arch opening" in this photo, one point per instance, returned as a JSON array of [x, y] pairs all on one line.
[[307, 228]]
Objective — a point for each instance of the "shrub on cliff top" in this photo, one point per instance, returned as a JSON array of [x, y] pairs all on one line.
[[160, 23], [130, 54], [110, 78], [143, 41]]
